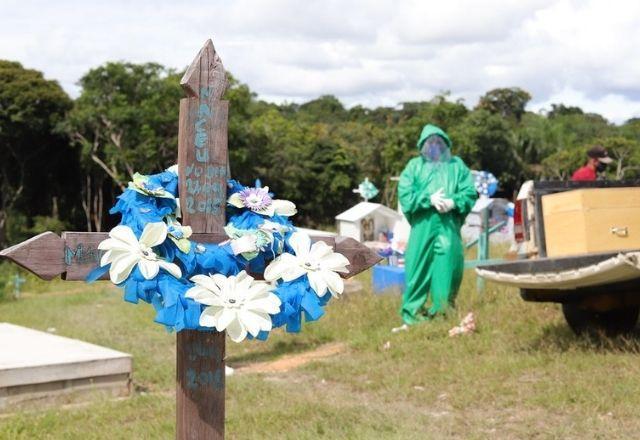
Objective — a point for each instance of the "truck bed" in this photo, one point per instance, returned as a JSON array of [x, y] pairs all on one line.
[[566, 273]]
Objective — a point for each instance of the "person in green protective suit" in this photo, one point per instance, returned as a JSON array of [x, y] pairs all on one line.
[[436, 192]]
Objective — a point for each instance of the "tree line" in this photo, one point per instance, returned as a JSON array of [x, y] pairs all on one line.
[[63, 161]]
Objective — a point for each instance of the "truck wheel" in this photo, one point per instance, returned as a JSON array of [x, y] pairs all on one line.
[[612, 322]]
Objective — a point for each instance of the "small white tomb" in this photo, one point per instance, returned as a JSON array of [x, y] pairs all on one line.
[[40, 369], [366, 220]]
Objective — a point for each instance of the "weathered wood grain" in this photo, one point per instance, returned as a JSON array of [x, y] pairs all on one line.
[[81, 253], [202, 143], [202, 163], [205, 70], [42, 255], [360, 257], [203, 166], [200, 385], [76, 254]]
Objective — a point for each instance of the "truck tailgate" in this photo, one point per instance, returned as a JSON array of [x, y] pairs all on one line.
[[565, 272]]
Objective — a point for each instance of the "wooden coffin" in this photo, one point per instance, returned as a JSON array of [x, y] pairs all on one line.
[[591, 220]]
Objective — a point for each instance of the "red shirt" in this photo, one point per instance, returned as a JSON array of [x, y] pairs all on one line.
[[584, 173]]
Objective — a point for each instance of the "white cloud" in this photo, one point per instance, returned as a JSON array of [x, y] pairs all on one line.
[[459, 22], [365, 52], [617, 107]]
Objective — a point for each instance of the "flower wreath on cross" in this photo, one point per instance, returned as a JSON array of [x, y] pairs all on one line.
[[201, 286]]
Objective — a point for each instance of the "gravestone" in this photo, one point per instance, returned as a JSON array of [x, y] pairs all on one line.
[[40, 369], [203, 171]]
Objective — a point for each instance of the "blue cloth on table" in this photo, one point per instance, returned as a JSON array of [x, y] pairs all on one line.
[[386, 278]]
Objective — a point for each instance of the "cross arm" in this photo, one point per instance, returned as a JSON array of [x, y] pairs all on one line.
[[74, 254]]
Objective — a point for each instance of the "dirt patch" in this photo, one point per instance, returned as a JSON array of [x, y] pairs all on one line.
[[293, 361]]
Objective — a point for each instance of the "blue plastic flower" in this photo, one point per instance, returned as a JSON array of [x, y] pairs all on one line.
[[159, 271]]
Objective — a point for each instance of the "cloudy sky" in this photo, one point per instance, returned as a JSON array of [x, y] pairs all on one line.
[[374, 52]]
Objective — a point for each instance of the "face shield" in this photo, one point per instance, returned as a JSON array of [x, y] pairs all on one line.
[[435, 149]]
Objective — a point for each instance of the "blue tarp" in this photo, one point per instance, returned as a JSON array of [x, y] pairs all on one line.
[[388, 278]]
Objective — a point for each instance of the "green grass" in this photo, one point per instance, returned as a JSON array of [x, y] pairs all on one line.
[[522, 375]]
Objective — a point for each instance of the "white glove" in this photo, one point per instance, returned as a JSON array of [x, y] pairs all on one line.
[[436, 198], [445, 205]]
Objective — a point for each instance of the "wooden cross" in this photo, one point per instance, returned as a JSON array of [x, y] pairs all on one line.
[[203, 170]]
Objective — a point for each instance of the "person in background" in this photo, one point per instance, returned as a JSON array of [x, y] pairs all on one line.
[[436, 192], [597, 161]]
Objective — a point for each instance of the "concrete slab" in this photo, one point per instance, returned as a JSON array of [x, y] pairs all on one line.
[[38, 368]]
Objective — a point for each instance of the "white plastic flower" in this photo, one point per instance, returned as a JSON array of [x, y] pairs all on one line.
[[124, 251], [318, 262], [258, 200], [237, 304]]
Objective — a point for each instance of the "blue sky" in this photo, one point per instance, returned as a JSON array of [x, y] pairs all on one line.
[[584, 53]]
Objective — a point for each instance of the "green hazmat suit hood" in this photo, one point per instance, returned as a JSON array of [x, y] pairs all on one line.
[[430, 130], [434, 259], [434, 146]]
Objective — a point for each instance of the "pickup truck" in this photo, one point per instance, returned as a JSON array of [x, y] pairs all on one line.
[[599, 292]]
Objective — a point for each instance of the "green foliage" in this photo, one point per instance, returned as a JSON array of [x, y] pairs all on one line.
[[37, 165], [126, 119], [303, 162], [566, 138], [5, 281], [12, 277], [631, 129], [561, 164], [563, 110], [485, 141], [43, 223], [626, 153], [314, 153], [326, 109], [506, 102]]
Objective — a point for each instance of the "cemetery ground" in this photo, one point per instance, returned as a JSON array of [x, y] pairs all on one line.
[[522, 375]]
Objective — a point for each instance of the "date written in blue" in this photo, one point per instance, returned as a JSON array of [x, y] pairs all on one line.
[[201, 379]]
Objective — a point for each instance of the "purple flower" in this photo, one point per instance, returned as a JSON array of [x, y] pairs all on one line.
[[256, 199], [259, 201]]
